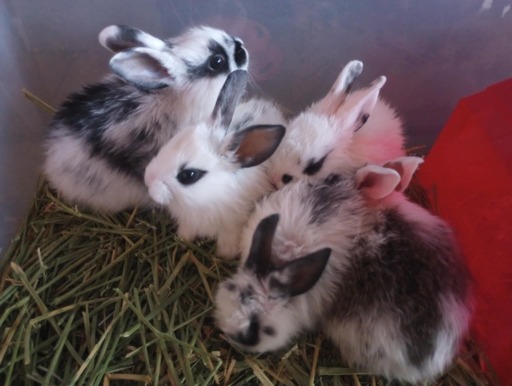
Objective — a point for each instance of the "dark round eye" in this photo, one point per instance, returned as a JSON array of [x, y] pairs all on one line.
[[190, 176], [286, 178], [217, 62], [268, 330]]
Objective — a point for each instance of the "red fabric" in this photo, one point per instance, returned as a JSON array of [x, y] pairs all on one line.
[[468, 173]]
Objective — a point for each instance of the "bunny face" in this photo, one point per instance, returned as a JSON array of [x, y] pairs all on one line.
[[307, 153], [259, 308], [342, 130], [208, 51], [193, 169], [253, 316]]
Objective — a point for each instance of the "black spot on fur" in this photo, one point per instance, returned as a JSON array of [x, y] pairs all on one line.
[[362, 120], [402, 278], [90, 112], [230, 286], [204, 69], [246, 294], [268, 330], [286, 179], [131, 158], [97, 106], [251, 336], [325, 196], [313, 166], [240, 54], [127, 37]]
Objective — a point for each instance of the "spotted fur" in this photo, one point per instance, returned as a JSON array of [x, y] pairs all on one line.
[[102, 137], [394, 295]]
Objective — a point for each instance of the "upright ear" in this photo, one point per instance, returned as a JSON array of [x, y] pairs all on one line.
[[405, 166], [254, 145], [340, 89], [260, 253], [298, 276], [229, 97], [376, 182], [145, 68], [118, 38], [355, 113]]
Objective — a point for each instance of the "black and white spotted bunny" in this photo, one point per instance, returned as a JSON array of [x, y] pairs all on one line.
[[102, 137], [350, 255]]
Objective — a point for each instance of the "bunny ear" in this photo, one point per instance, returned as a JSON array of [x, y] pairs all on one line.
[[405, 167], [228, 99], [299, 275], [355, 115], [376, 182], [118, 38], [340, 89], [254, 145], [145, 68], [260, 253]]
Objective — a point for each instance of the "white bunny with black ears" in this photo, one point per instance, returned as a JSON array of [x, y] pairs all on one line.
[[344, 127], [379, 275], [102, 138], [209, 176]]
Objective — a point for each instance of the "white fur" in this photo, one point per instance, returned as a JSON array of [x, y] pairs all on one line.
[[218, 205]]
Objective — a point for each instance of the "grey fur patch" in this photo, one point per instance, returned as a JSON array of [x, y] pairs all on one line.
[[402, 278], [326, 196]]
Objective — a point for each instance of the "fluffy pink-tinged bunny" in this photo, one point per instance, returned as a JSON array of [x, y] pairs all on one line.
[[209, 176], [351, 256], [342, 128], [102, 137]]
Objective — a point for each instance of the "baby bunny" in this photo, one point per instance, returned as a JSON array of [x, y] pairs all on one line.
[[342, 127], [102, 138], [380, 276], [208, 175]]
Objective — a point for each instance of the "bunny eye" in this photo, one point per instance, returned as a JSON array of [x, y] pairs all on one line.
[[217, 62], [190, 176], [286, 179]]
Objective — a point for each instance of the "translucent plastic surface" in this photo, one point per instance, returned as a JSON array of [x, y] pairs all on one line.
[[433, 53]]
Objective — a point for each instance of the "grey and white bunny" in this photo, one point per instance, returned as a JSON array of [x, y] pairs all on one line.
[[210, 175], [349, 254], [102, 137], [342, 128]]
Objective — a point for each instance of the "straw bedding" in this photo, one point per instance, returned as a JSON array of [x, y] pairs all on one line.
[[95, 299]]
